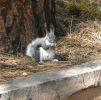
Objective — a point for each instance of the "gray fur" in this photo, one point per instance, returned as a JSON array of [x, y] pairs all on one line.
[[41, 49]]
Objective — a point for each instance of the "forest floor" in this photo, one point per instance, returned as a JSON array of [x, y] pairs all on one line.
[[81, 45]]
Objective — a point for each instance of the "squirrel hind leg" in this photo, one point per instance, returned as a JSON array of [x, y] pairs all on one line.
[[55, 60], [41, 62], [39, 55]]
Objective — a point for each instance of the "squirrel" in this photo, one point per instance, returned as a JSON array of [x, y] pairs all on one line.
[[42, 49]]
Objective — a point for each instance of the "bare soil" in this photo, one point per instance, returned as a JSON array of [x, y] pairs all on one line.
[[82, 45], [91, 93]]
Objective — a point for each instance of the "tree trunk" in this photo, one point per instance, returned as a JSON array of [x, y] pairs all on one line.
[[23, 20]]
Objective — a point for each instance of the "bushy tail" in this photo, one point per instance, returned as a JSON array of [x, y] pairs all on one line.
[[30, 49]]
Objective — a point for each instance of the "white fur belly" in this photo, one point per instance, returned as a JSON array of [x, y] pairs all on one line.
[[48, 54], [51, 54]]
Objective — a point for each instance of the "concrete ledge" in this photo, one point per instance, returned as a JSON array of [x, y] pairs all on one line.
[[58, 85]]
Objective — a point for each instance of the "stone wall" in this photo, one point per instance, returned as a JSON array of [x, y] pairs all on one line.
[[58, 85]]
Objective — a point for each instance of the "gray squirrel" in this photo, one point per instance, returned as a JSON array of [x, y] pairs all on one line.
[[42, 49]]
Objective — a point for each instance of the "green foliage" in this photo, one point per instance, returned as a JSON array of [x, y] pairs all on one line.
[[84, 7], [69, 4], [70, 12]]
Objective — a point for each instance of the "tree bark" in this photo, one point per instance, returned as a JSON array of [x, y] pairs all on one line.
[[23, 20]]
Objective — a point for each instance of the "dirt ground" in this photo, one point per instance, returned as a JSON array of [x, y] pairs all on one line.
[[91, 93], [73, 49]]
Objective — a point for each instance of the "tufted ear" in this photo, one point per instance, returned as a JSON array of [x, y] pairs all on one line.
[[51, 29], [46, 28]]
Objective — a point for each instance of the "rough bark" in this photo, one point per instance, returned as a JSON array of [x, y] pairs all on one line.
[[23, 20]]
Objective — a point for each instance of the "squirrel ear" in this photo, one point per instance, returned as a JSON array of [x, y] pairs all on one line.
[[46, 28], [51, 28], [45, 25]]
